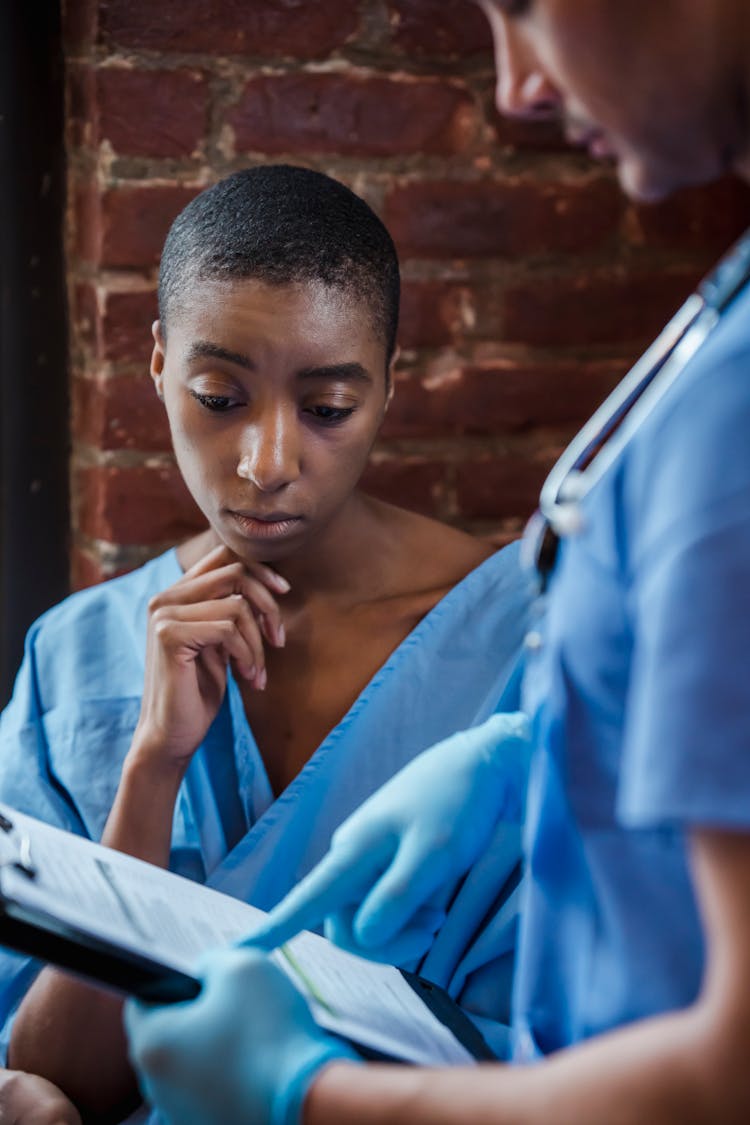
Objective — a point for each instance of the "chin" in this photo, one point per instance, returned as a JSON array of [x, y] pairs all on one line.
[[652, 182]]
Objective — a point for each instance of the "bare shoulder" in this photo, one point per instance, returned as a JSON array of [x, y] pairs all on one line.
[[430, 556]]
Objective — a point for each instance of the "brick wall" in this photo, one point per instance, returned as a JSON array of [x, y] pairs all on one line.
[[529, 282]]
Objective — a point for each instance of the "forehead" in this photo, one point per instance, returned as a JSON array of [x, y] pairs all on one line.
[[249, 302], [301, 316]]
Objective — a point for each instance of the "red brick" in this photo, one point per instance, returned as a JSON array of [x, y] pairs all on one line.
[[546, 136], [125, 326], [704, 219], [267, 28], [87, 204], [116, 326], [88, 568], [439, 27], [120, 413], [152, 112], [502, 397], [135, 505], [411, 482], [343, 113], [132, 224], [501, 487], [85, 569], [85, 315], [434, 313], [79, 23], [602, 308], [159, 113], [81, 104], [508, 219]]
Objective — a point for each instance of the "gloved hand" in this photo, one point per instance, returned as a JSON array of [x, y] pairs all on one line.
[[393, 864], [246, 1049]]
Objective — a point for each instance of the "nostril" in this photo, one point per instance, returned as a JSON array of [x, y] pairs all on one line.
[[540, 97], [545, 108]]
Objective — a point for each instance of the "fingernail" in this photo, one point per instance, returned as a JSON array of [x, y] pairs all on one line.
[[282, 583], [281, 635], [249, 671], [261, 679]]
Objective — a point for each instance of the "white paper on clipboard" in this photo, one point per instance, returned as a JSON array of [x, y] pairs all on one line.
[[144, 909]]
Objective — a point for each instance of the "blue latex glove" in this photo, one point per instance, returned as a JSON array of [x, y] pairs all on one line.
[[245, 1050], [394, 864]]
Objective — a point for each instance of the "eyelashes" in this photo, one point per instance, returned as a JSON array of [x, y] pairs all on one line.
[[330, 415], [216, 403], [322, 414]]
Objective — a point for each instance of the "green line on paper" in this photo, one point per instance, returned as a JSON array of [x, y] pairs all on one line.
[[309, 985]]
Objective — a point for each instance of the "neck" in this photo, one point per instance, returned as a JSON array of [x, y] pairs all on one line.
[[341, 559], [338, 559]]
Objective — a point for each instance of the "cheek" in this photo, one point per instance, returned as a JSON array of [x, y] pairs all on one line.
[[342, 456], [202, 456], [580, 50]]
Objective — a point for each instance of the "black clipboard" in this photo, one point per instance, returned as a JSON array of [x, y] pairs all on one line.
[[45, 937]]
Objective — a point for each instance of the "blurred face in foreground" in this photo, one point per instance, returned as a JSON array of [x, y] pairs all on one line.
[[661, 86]]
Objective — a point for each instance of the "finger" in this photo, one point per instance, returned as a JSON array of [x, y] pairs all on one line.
[[249, 630], [266, 609], [338, 880], [404, 889], [149, 1029], [232, 611], [221, 556], [409, 945], [223, 583], [270, 578], [272, 629], [185, 641], [232, 578]]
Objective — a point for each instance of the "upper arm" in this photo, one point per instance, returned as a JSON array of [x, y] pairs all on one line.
[[721, 870]]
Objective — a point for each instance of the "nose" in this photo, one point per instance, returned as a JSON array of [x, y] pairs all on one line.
[[523, 90], [271, 454]]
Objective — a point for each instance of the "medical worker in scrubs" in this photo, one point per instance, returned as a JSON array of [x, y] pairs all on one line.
[[632, 989]]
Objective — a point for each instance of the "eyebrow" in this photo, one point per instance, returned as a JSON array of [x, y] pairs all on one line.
[[204, 349], [344, 372]]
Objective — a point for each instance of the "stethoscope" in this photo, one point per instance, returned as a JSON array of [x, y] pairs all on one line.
[[600, 442]]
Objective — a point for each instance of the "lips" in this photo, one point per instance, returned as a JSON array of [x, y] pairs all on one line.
[[266, 525], [265, 517], [593, 139], [600, 147]]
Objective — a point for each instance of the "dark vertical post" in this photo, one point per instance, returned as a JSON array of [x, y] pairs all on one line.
[[34, 428]]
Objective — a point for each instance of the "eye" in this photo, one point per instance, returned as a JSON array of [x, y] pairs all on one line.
[[330, 415], [219, 404]]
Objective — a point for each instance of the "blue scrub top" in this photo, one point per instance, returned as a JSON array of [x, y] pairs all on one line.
[[640, 698]]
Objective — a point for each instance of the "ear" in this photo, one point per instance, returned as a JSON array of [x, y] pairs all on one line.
[[392, 377], [158, 356]]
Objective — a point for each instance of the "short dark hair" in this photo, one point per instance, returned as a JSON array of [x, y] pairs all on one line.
[[282, 224]]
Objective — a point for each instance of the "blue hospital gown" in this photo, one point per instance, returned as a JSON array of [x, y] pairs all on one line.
[[68, 727]]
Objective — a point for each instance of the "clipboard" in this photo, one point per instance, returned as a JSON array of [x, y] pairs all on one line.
[[57, 938]]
